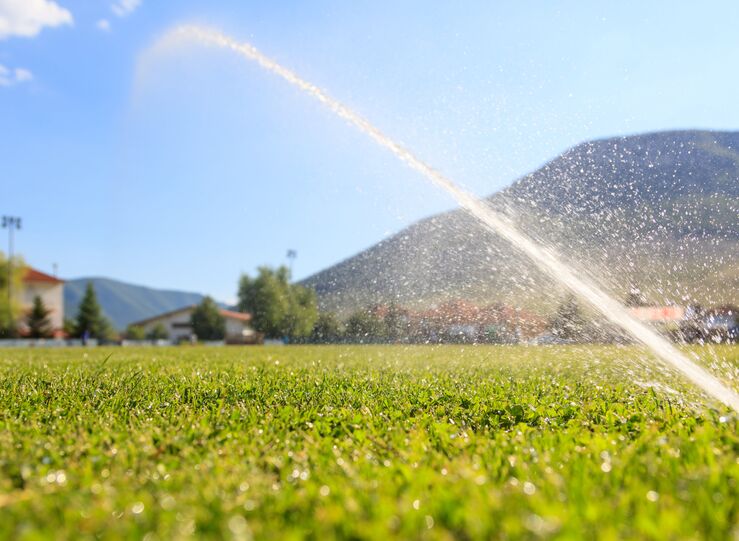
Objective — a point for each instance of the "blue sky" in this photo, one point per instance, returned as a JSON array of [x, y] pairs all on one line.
[[185, 170]]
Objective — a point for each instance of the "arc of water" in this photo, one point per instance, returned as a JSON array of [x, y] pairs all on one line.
[[543, 258]]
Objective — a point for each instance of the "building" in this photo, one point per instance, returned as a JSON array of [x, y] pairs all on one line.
[[659, 314], [463, 321], [50, 289], [177, 325]]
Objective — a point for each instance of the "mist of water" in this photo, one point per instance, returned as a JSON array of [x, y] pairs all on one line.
[[544, 258]]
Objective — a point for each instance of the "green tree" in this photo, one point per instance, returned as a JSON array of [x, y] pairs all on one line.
[[302, 313], [394, 322], [159, 331], [568, 322], [135, 332], [10, 308], [279, 309], [635, 298], [364, 326], [327, 329], [69, 326], [39, 325], [90, 319], [207, 322]]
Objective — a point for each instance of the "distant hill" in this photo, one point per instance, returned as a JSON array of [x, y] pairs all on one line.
[[125, 303], [659, 211]]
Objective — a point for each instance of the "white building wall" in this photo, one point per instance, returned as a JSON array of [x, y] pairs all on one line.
[[52, 296], [236, 328], [177, 325]]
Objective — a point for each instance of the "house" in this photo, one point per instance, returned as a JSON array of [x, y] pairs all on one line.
[[50, 289], [659, 314], [463, 321], [177, 325]]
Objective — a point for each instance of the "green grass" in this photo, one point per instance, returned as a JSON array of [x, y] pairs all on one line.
[[362, 442]]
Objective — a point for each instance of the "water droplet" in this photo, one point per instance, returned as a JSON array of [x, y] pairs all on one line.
[[237, 524]]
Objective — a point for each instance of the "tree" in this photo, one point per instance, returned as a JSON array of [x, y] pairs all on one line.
[[135, 332], [159, 331], [278, 308], [10, 308], [302, 313], [69, 326], [207, 322], [266, 298], [394, 322], [327, 329], [37, 320], [90, 321], [364, 326], [568, 322], [635, 298]]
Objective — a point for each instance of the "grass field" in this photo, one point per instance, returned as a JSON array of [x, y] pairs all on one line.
[[362, 442]]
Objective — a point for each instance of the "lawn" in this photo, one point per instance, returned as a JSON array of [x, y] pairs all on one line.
[[378, 442]]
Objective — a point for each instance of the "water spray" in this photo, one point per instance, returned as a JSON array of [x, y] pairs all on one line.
[[542, 257]]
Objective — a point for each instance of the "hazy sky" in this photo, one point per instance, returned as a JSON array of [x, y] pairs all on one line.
[[184, 170]]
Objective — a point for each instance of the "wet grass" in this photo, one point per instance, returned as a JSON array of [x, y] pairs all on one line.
[[362, 442]]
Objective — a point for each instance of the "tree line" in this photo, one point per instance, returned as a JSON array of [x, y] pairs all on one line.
[[282, 310]]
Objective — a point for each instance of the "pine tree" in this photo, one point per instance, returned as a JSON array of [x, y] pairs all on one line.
[[90, 320], [37, 320]]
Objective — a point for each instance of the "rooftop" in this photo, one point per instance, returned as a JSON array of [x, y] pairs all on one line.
[[35, 275]]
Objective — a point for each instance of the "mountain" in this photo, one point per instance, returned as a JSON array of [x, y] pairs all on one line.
[[125, 303], [658, 211]]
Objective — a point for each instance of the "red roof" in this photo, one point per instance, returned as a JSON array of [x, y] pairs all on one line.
[[34, 275], [225, 313], [236, 315]]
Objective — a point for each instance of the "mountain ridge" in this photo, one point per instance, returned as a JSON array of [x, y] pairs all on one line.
[[618, 207], [124, 303]]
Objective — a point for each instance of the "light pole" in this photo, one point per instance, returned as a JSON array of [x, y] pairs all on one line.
[[291, 255], [11, 223]]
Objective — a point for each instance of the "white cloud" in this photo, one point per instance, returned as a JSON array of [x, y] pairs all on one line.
[[26, 18], [10, 77], [103, 24], [123, 8], [22, 75]]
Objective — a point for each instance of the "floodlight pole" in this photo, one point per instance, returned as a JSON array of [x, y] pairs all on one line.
[[291, 255], [11, 223]]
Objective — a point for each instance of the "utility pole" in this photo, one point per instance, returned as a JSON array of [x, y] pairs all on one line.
[[291, 255], [11, 223]]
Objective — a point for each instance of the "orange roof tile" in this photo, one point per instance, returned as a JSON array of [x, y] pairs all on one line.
[[34, 275], [236, 315]]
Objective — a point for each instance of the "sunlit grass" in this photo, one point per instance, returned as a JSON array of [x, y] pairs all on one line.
[[362, 442]]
